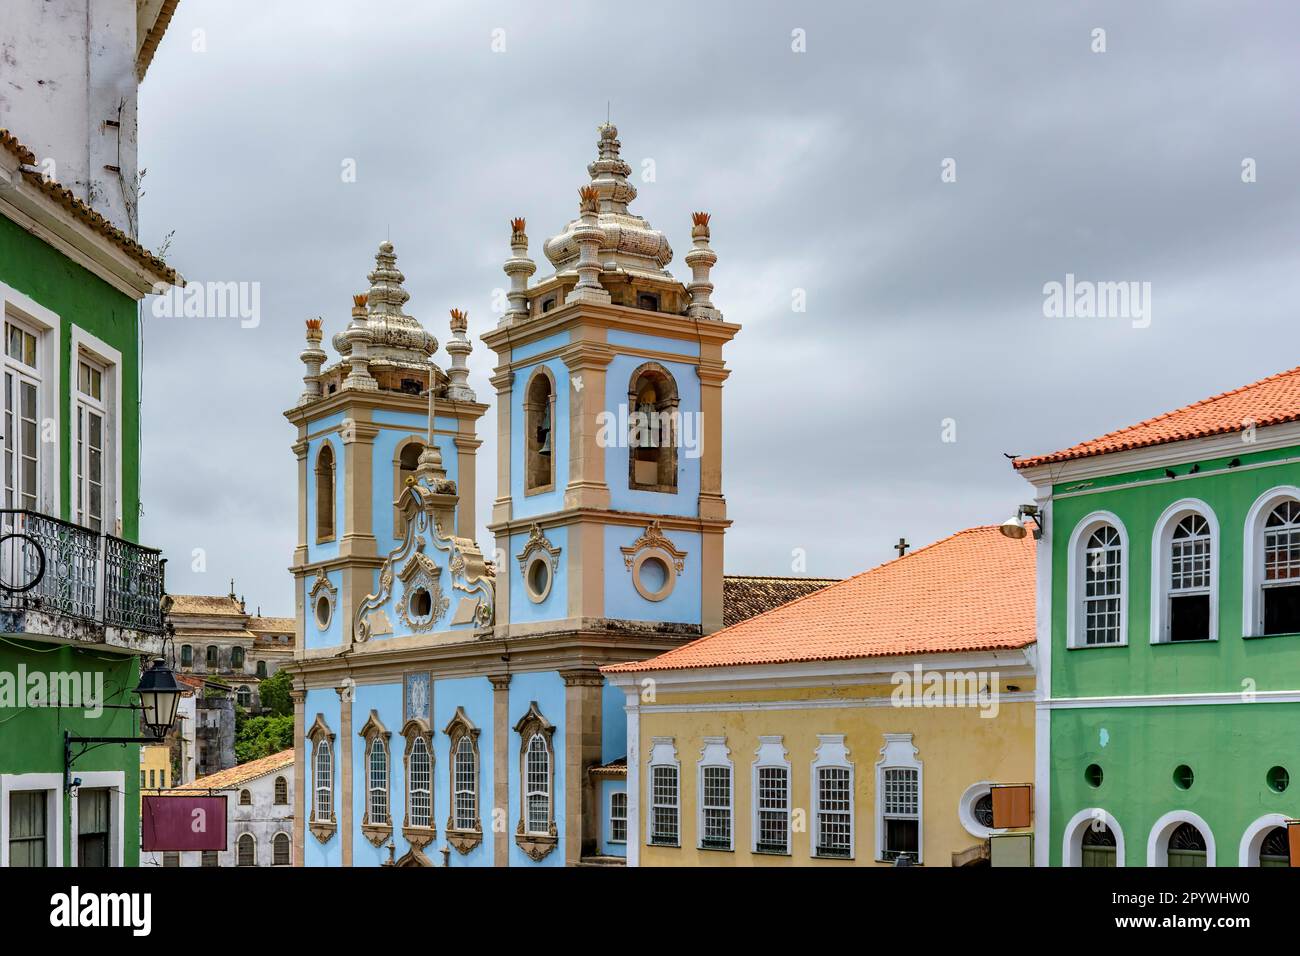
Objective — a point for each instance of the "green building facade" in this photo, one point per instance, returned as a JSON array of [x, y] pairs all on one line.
[[1169, 636], [80, 598]]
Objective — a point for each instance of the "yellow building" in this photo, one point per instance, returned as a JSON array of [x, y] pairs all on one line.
[[155, 767], [875, 722]]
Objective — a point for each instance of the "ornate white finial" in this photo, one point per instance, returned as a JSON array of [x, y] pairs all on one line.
[[628, 243], [589, 237], [396, 339], [519, 268], [459, 347], [701, 260], [357, 336], [313, 356]]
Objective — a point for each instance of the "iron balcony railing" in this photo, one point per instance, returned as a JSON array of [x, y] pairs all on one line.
[[61, 568]]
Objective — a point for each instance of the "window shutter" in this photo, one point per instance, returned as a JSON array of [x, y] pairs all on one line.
[[1012, 806], [1293, 840]]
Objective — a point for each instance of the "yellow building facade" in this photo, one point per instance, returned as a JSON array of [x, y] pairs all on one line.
[[866, 724]]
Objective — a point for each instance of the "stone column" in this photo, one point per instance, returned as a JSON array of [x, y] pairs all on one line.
[[501, 769], [299, 697], [346, 693], [582, 714]]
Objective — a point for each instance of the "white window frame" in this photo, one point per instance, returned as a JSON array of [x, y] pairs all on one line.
[[288, 837], [1075, 622], [663, 753], [465, 745], [548, 793], [1072, 841], [1163, 829], [1252, 839], [240, 839], [327, 744], [1161, 562], [771, 752], [375, 793], [1252, 594], [966, 810], [832, 753], [613, 816], [86, 347], [715, 753], [411, 789], [899, 753], [114, 781], [52, 785], [48, 328]]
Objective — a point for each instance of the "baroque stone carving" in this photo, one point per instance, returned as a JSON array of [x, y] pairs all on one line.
[[421, 575]]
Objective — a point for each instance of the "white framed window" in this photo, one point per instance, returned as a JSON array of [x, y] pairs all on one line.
[[1271, 580], [898, 801], [420, 783], [23, 406], [1184, 574], [665, 794], [96, 819], [465, 781], [1093, 838], [618, 816], [281, 845], [1098, 583], [378, 781], [716, 822], [323, 808], [246, 850], [770, 786], [29, 407], [1181, 838], [832, 789], [537, 794], [96, 422], [31, 817]]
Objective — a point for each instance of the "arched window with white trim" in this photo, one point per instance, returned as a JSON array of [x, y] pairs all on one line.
[[716, 789], [1181, 838], [246, 850], [898, 801], [832, 788], [1098, 583], [378, 789], [280, 847], [1093, 838], [1184, 574], [538, 785], [1271, 579]]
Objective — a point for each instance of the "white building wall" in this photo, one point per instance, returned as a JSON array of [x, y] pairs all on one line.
[[264, 819], [67, 67]]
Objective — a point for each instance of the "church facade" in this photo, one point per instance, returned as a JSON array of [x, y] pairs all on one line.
[[449, 702]]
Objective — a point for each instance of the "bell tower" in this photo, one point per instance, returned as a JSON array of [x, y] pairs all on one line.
[[609, 515]]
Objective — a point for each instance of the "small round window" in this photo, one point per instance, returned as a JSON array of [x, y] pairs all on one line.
[[653, 576], [323, 611], [1093, 775], [1278, 779], [1183, 777], [537, 578]]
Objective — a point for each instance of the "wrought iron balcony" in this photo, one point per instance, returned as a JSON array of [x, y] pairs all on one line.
[[51, 567]]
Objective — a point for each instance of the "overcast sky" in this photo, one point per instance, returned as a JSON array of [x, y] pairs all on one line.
[[822, 170]]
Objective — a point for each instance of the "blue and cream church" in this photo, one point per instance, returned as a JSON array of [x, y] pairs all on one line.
[[449, 707]]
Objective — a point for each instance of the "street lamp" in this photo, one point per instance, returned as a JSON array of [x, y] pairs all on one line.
[[160, 697], [1014, 527]]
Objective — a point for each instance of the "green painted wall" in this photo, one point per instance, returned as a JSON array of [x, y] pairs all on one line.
[[1230, 749], [80, 298], [1273, 663], [31, 738]]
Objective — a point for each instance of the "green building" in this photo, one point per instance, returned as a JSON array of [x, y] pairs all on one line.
[[1169, 637], [79, 597]]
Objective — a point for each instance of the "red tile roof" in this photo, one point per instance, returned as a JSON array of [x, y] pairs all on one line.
[[1270, 401], [747, 595], [241, 773], [973, 591]]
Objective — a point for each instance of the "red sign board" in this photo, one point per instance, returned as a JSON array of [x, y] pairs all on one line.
[[183, 823]]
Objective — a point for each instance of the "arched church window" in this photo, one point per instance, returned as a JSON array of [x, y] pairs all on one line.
[[376, 823], [408, 460], [325, 493], [539, 433], [652, 429], [536, 832]]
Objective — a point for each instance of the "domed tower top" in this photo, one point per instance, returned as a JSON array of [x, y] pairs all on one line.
[[396, 340], [629, 242]]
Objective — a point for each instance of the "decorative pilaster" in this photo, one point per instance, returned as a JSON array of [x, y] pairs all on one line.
[[582, 691], [501, 743], [701, 260], [519, 268], [358, 339], [345, 811], [301, 803], [313, 356], [459, 347], [588, 235]]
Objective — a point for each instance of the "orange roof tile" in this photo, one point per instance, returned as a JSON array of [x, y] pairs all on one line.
[[1270, 401], [973, 591], [82, 212], [241, 773]]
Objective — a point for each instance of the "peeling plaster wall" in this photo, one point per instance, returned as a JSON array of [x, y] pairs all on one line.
[[66, 66]]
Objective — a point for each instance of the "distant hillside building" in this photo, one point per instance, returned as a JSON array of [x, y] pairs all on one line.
[[218, 639]]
